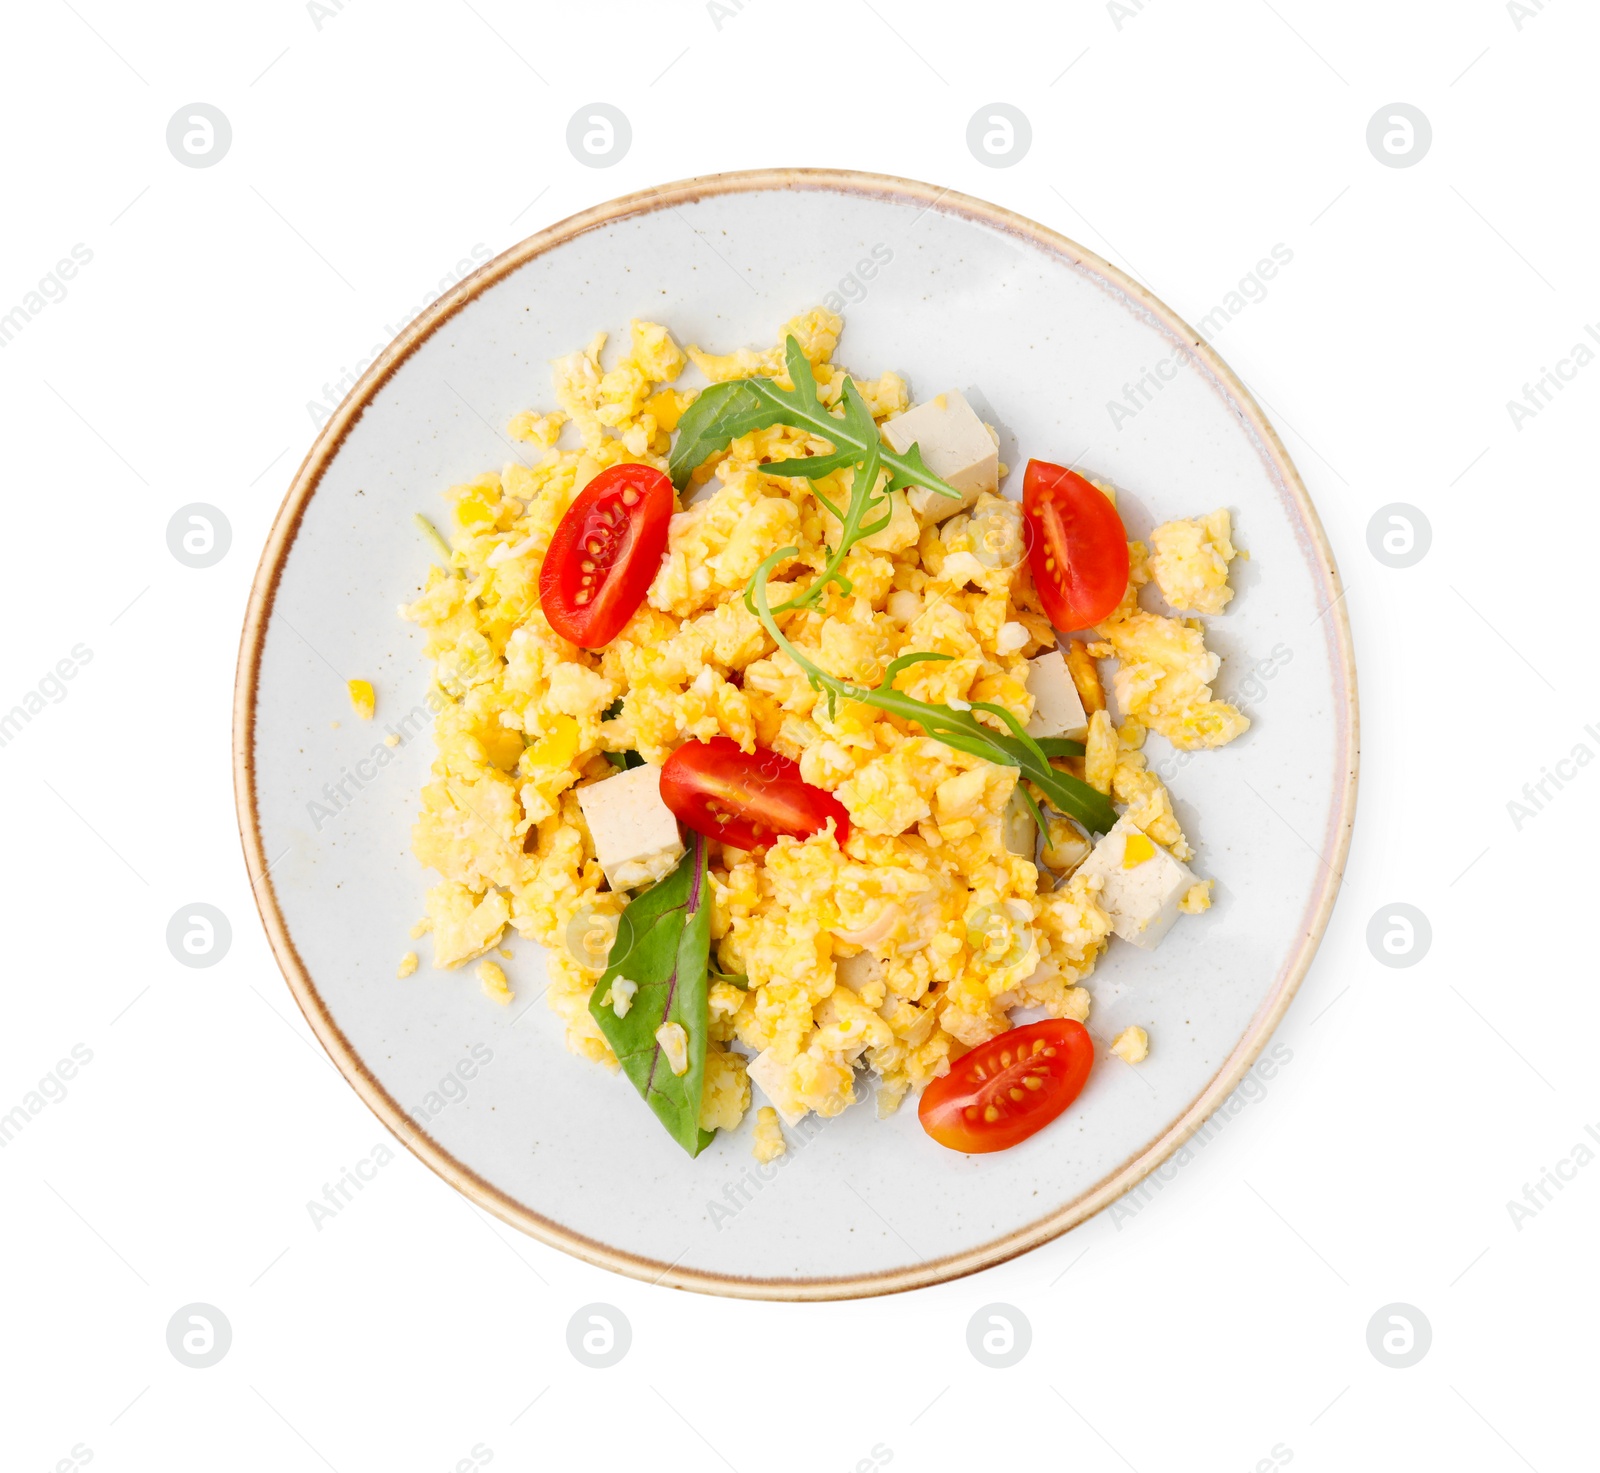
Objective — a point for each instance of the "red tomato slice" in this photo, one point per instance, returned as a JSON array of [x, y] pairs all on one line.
[[1009, 1087], [1079, 551], [605, 552], [746, 799]]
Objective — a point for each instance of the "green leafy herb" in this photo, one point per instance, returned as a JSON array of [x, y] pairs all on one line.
[[725, 411], [431, 532], [663, 943], [955, 728], [612, 711], [622, 761], [735, 979]]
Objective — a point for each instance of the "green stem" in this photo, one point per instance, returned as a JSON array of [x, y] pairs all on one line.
[[957, 729]]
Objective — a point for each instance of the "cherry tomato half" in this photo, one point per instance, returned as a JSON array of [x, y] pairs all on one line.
[[605, 552], [1009, 1087], [746, 799], [1079, 552]]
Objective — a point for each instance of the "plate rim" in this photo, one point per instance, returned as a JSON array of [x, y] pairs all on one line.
[[263, 590]]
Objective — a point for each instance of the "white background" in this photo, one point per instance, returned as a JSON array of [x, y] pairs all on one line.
[[1224, 1325]]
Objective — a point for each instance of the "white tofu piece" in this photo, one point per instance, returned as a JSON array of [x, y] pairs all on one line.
[[858, 971], [1057, 709], [1017, 827], [955, 444], [635, 833], [1142, 898], [775, 1079]]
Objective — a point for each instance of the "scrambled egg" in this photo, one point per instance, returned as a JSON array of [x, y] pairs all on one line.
[[1132, 1045], [917, 939]]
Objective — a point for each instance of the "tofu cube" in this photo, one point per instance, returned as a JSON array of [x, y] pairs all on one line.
[[1017, 827], [1142, 884], [775, 1078], [955, 445], [858, 971], [635, 834], [1057, 709]]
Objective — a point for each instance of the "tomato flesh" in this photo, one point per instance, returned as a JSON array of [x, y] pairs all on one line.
[[1079, 547], [746, 799], [1008, 1088], [604, 554]]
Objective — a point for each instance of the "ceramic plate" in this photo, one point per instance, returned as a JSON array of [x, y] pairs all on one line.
[[1041, 335]]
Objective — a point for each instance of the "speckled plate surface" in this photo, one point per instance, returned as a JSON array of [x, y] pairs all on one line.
[[1040, 334]]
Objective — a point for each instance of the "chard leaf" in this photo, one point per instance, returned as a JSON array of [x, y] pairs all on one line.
[[663, 943]]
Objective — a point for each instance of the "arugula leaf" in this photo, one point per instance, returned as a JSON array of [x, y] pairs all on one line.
[[663, 943], [725, 411], [622, 761], [955, 728]]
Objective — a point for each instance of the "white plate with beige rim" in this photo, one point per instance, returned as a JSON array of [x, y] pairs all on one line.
[[1041, 334]]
